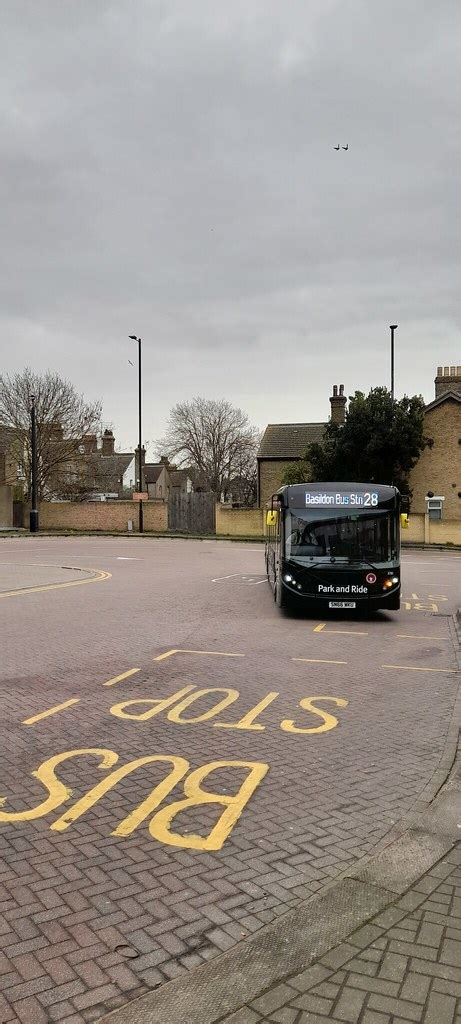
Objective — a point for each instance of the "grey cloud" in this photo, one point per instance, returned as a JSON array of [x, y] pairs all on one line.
[[167, 168]]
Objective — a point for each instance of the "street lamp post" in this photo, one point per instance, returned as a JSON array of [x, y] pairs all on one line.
[[33, 515], [393, 328], [140, 465]]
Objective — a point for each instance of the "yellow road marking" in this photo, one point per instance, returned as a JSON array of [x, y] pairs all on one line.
[[345, 632], [412, 636], [181, 650], [417, 668], [99, 575], [320, 661], [124, 675], [51, 711]]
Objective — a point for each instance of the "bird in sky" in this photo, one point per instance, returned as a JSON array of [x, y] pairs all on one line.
[[346, 147], [335, 147]]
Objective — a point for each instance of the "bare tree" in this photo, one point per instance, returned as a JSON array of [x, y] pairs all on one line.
[[242, 486], [63, 419], [212, 437]]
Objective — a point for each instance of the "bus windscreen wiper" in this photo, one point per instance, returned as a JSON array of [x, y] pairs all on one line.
[[363, 561]]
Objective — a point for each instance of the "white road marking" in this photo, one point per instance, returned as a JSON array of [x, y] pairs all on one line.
[[229, 577]]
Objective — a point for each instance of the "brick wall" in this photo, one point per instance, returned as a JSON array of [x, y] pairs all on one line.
[[102, 515], [415, 531], [270, 477], [444, 532], [239, 522], [423, 530], [6, 505], [155, 516], [439, 467]]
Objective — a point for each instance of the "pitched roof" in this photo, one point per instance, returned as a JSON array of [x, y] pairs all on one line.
[[152, 472], [289, 440], [453, 395], [108, 468]]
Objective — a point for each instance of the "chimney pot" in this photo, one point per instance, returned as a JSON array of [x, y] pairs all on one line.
[[448, 379], [338, 406]]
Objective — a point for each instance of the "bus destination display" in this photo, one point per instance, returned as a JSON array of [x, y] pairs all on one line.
[[353, 499]]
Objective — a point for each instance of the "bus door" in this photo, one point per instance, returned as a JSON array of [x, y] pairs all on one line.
[[273, 547]]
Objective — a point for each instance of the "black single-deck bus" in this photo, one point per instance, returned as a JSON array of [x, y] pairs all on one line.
[[334, 545]]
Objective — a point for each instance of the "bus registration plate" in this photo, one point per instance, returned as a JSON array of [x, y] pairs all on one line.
[[342, 604]]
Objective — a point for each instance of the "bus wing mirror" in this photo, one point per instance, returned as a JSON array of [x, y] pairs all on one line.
[[271, 517], [404, 520]]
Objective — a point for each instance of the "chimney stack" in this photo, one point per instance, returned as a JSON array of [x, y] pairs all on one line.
[[448, 379], [108, 443], [338, 403], [89, 443]]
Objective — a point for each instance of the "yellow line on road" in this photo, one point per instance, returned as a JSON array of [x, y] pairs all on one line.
[[124, 675], [180, 650], [344, 632], [412, 636], [320, 661], [99, 575], [417, 668], [51, 711]]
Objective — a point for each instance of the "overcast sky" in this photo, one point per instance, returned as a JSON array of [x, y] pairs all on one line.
[[168, 170]]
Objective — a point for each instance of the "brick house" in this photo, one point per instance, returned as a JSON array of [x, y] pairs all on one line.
[[438, 470], [9, 473], [283, 443], [9, 468], [164, 479], [157, 479], [96, 471]]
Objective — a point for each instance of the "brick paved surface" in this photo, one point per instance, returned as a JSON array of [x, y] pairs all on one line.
[[19, 577], [404, 965], [90, 919]]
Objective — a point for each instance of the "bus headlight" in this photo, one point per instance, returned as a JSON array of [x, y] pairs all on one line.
[[288, 579], [390, 582]]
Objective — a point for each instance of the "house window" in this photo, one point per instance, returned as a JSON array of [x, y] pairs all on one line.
[[434, 507], [160, 490]]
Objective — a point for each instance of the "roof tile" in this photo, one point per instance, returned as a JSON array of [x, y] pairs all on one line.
[[289, 440]]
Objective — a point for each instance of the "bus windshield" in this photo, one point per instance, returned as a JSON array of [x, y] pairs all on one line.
[[343, 536]]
